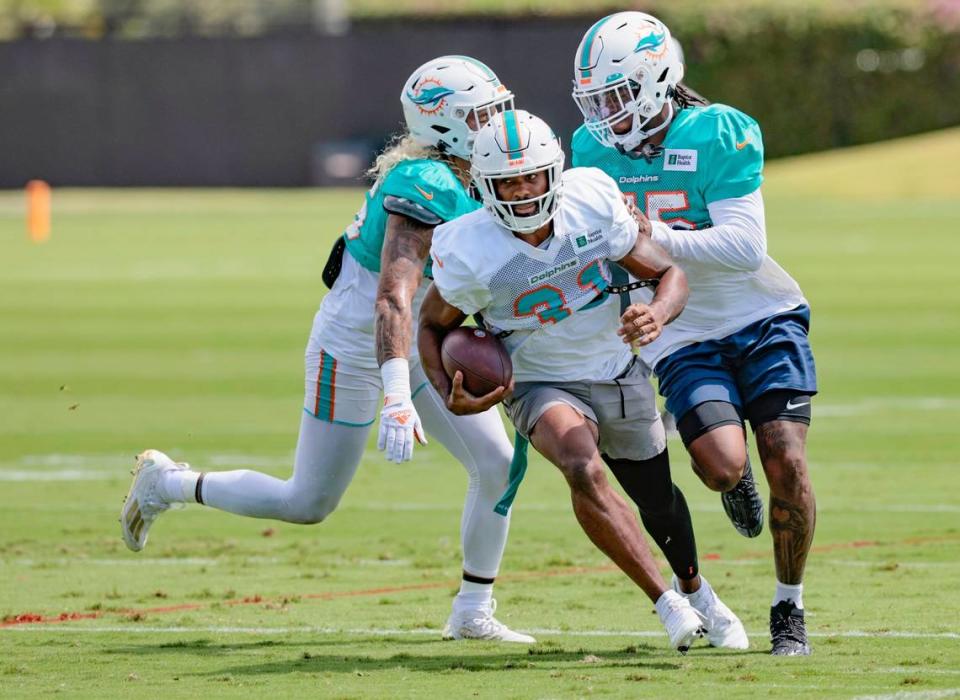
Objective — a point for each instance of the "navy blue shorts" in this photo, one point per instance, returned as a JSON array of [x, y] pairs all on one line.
[[769, 355]]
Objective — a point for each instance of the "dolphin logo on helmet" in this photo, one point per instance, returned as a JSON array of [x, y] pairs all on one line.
[[446, 100], [650, 42], [429, 96]]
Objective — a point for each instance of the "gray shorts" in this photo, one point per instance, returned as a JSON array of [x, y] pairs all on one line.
[[624, 410]]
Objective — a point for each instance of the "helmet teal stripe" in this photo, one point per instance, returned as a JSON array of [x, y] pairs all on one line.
[[479, 64], [513, 135], [588, 48]]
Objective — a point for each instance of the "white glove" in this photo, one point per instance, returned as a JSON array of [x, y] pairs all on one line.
[[399, 422], [399, 426]]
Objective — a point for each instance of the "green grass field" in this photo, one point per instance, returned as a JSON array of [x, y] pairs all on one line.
[[177, 319]]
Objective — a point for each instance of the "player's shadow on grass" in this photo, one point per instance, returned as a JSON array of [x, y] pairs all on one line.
[[207, 647], [452, 657]]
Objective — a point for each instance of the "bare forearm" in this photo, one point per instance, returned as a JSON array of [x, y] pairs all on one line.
[[429, 340], [405, 249], [394, 327], [437, 318], [671, 295]]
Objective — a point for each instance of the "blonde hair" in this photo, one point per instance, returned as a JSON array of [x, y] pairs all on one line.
[[402, 147]]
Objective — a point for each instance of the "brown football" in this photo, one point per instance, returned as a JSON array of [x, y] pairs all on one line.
[[481, 357]]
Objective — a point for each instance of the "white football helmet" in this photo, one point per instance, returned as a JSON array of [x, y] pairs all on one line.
[[515, 143], [448, 99], [626, 66]]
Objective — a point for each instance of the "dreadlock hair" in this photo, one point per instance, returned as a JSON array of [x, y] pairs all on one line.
[[684, 97]]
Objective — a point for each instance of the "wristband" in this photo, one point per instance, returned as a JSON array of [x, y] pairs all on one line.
[[395, 374]]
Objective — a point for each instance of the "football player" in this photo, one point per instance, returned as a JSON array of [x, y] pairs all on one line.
[[360, 345], [535, 265], [740, 351]]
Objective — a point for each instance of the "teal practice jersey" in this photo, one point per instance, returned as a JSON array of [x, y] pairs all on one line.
[[710, 153], [427, 183]]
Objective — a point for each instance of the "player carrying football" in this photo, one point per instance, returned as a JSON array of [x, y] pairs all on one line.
[[360, 343], [535, 264], [739, 351]]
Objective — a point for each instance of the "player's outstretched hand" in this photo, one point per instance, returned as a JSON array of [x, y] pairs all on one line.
[[462, 403], [399, 427], [639, 325], [646, 229]]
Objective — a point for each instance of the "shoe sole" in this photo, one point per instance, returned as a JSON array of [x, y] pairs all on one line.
[[748, 533], [448, 636], [132, 524], [807, 651], [699, 634]]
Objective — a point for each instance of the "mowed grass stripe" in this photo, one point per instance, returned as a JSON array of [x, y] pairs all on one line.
[[177, 320]]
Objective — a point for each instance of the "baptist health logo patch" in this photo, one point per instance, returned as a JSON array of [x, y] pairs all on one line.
[[684, 159], [588, 240]]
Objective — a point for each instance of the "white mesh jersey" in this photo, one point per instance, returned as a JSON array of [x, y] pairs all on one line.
[[345, 324], [563, 328]]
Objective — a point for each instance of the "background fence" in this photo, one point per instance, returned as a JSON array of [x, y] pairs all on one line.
[[268, 110]]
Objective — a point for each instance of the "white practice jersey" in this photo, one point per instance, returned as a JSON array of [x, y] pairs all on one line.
[[550, 297], [733, 282], [345, 323]]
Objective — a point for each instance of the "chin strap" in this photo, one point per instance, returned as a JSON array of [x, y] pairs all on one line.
[[647, 151], [630, 286]]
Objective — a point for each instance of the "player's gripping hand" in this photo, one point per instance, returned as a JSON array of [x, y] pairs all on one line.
[[646, 228], [640, 325], [399, 427], [461, 402]]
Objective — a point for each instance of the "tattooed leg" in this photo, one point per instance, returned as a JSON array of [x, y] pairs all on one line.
[[793, 512]]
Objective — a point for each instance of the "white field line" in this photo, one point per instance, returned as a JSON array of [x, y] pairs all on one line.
[[866, 405], [913, 695], [131, 561], [201, 561], [918, 670], [379, 632], [818, 561], [21, 476]]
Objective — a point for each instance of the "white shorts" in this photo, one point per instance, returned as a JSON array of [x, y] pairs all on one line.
[[342, 393], [624, 410]]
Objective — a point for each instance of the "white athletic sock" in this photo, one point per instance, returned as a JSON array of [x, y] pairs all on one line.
[[787, 592], [474, 595], [179, 486], [700, 595]]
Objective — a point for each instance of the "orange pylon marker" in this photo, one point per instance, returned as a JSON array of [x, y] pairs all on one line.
[[38, 211]]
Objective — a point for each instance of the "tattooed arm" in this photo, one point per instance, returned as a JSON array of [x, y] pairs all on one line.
[[405, 248]]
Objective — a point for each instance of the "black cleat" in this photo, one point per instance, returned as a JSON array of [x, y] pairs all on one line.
[[788, 630], [744, 506]]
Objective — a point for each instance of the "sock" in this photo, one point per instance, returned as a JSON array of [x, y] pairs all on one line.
[[700, 595], [663, 603], [179, 486], [474, 595], [787, 592]]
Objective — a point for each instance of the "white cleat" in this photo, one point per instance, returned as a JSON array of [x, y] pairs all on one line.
[[143, 503], [479, 623], [684, 624], [724, 629]]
